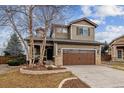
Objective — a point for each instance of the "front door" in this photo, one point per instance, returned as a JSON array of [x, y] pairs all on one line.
[[50, 53]]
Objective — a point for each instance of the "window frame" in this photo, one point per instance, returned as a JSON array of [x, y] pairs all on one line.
[[62, 30], [85, 31], [120, 53]]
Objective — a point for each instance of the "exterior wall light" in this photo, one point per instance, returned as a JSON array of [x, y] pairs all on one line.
[[59, 50]]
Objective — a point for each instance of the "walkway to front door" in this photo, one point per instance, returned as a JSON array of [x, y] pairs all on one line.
[[99, 76]]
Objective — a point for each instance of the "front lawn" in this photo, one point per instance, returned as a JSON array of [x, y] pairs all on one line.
[[14, 79], [118, 65]]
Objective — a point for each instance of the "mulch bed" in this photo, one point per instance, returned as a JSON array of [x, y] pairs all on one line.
[[75, 83], [39, 68]]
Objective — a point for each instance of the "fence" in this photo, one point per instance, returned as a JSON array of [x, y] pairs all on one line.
[[106, 57], [4, 59]]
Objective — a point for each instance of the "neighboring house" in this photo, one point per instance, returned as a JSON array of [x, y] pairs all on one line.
[[117, 49], [72, 44]]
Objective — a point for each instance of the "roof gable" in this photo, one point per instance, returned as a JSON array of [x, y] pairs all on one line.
[[83, 19], [119, 40], [77, 21]]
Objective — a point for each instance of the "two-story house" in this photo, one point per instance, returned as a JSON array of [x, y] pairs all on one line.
[[72, 44]]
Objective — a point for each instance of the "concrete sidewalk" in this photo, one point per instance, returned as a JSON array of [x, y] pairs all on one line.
[[99, 76], [4, 68]]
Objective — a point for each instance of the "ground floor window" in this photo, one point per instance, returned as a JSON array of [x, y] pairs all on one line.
[[119, 53]]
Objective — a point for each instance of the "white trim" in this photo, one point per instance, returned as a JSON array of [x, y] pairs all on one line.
[[56, 48], [81, 48], [119, 45], [82, 25], [78, 49], [115, 52]]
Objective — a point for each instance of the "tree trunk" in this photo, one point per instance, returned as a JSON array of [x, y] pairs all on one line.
[[44, 42], [41, 51], [31, 47], [43, 47]]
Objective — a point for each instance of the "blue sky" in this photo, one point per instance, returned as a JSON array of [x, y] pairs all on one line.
[[110, 21], [109, 18]]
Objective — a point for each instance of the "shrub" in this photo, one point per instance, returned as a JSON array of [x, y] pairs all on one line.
[[21, 60], [50, 68], [13, 63], [16, 62]]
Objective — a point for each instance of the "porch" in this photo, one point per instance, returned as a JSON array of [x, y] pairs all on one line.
[[48, 57]]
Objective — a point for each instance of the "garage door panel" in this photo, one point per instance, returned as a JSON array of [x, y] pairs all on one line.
[[80, 57]]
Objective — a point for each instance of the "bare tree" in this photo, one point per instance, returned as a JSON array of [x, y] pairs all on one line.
[[25, 18], [8, 18], [31, 46], [48, 15], [19, 18]]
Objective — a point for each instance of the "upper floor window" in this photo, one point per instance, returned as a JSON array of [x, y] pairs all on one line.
[[84, 31], [61, 30]]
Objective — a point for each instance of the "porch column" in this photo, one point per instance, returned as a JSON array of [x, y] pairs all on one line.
[[34, 50], [114, 53], [55, 49], [58, 61], [100, 54]]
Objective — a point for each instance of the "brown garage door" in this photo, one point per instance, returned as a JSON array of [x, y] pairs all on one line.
[[78, 57]]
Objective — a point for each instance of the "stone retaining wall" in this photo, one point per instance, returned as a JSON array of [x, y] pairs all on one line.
[[24, 71]]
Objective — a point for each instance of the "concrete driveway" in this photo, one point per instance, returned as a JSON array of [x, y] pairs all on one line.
[[99, 76]]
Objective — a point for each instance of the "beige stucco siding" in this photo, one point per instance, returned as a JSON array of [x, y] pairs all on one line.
[[119, 41], [72, 31], [59, 34], [80, 37], [83, 23], [74, 35], [114, 54], [59, 56]]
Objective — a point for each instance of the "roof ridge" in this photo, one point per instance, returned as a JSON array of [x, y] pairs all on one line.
[[77, 20], [116, 39]]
